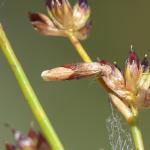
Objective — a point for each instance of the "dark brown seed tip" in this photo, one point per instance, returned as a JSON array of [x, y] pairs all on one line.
[[132, 56], [35, 17], [83, 3], [145, 63]]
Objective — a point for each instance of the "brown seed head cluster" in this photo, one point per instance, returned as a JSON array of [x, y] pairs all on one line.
[[63, 19], [32, 141], [131, 85]]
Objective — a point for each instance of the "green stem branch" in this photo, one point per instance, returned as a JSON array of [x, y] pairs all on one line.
[[29, 94], [136, 133]]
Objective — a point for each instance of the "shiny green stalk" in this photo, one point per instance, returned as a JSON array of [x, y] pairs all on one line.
[[29, 94]]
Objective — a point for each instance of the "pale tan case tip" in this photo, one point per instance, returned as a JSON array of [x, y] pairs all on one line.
[[44, 75]]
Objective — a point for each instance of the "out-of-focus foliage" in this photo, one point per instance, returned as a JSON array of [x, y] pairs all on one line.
[[34, 140]]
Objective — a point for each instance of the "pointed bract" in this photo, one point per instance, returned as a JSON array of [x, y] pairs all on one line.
[[143, 97], [81, 16], [145, 64], [44, 25], [115, 81], [132, 71]]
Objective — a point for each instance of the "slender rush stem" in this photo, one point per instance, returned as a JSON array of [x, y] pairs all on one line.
[[137, 137], [136, 133], [29, 94], [76, 43]]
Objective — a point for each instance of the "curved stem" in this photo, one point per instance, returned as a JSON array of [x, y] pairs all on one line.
[[29, 94], [136, 133], [122, 108]]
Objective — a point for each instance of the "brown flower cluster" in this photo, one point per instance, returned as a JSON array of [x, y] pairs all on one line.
[[63, 19], [32, 141], [132, 85]]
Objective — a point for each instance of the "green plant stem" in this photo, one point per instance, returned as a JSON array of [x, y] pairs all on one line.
[[137, 137], [80, 50], [29, 94], [136, 133]]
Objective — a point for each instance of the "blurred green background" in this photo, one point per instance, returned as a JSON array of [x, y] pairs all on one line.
[[78, 109]]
